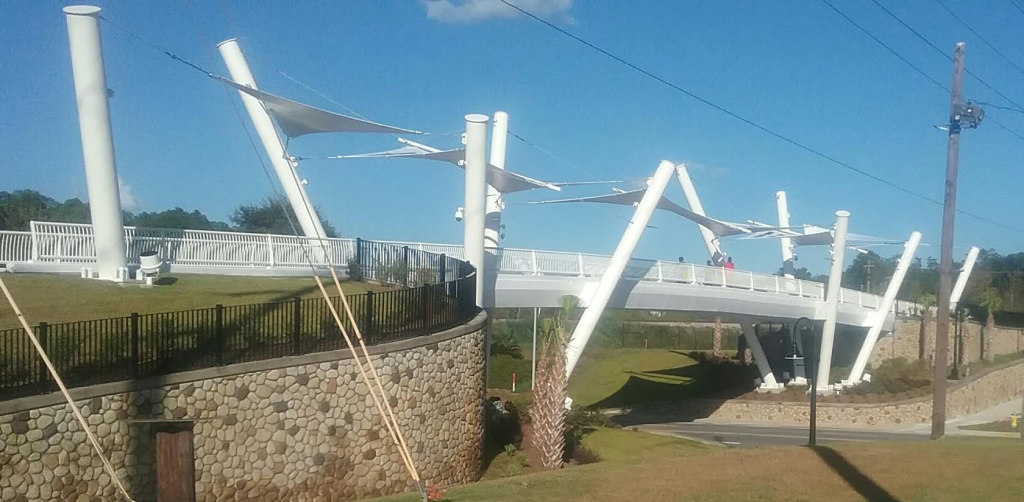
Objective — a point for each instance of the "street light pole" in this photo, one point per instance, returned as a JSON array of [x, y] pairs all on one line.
[[946, 250]]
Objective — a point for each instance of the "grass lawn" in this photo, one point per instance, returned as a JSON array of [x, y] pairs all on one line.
[[63, 298], [639, 467]]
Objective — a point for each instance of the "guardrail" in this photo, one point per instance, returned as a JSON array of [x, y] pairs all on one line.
[[143, 345], [72, 243]]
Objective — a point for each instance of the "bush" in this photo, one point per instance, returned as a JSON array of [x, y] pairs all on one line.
[[579, 422], [583, 455], [895, 376], [355, 270], [503, 425]]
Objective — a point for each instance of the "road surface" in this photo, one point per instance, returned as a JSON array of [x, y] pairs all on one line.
[[736, 435]]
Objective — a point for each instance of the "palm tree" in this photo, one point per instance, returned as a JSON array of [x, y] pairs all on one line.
[[548, 411], [992, 301], [927, 300], [716, 338]]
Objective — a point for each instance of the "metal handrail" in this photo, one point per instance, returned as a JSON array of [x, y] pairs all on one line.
[[73, 243]]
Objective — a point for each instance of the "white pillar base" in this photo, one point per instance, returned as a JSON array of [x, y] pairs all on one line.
[[797, 382], [767, 388]]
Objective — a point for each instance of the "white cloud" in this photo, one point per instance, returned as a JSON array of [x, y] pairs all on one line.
[[129, 201], [469, 11]]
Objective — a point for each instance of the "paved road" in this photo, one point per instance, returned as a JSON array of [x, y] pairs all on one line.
[[735, 435]]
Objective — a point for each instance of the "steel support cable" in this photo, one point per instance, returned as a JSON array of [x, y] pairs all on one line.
[[388, 418], [750, 122]]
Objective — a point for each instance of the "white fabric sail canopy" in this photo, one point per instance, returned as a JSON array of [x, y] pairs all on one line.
[[297, 119], [502, 180], [632, 197]]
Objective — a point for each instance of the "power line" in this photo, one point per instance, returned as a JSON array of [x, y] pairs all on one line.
[[886, 47], [972, 30], [943, 53], [747, 121], [1017, 5]]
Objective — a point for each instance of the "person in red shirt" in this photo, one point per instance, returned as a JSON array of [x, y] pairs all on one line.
[[729, 267]]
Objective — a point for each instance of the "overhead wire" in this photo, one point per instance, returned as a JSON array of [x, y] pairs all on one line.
[[944, 54], [750, 122], [979, 35], [940, 86]]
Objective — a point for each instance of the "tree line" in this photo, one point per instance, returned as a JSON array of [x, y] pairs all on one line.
[[269, 215]]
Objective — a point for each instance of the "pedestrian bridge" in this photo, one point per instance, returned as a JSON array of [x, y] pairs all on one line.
[[524, 278]]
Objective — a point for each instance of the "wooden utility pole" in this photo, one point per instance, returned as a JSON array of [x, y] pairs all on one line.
[[946, 250]]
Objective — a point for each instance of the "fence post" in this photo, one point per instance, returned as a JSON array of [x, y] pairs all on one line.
[[218, 333], [270, 250], [368, 318], [43, 373], [297, 325], [134, 333], [359, 251], [440, 269]]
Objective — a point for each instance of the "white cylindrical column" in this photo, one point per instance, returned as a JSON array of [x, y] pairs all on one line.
[[835, 279], [493, 206], [499, 139], [690, 192], [476, 194], [97, 140], [857, 372], [961, 280], [305, 213], [786, 242], [620, 258]]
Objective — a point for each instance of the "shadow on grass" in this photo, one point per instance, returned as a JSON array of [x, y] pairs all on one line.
[[680, 394], [853, 476]]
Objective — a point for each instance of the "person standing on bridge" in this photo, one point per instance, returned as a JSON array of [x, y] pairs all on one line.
[[729, 267]]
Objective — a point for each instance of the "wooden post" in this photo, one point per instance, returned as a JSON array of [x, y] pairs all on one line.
[[946, 251]]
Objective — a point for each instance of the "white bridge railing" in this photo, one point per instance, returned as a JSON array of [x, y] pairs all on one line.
[[49, 242]]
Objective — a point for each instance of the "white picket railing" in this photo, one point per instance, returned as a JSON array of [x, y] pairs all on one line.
[[49, 242]]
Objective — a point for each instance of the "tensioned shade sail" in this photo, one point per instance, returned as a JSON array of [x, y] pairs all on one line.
[[502, 180], [632, 197], [296, 119]]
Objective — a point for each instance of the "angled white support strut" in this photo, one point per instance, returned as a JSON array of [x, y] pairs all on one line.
[[835, 278], [305, 213], [961, 280], [767, 377], [709, 238], [787, 244], [857, 372], [97, 140], [599, 300]]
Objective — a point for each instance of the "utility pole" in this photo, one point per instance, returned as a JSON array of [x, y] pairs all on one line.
[[946, 249]]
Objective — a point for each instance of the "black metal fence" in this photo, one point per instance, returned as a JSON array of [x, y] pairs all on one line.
[[145, 345]]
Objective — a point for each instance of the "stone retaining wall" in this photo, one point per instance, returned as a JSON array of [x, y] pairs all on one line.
[[911, 342], [979, 392], [299, 428]]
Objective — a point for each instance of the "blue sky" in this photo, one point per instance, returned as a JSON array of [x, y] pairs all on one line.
[[796, 67]]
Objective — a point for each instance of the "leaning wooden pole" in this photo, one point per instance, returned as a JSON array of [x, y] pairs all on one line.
[[366, 354], [402, 450], [64, 390]]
